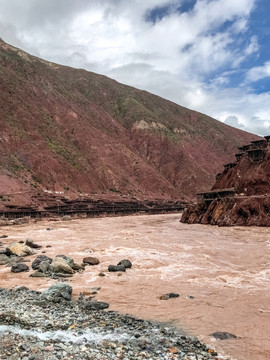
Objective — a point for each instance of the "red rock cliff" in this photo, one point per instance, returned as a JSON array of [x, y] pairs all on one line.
[[241, 194]]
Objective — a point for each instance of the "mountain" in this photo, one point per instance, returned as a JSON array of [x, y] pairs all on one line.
[[70, 130], [241, 193]]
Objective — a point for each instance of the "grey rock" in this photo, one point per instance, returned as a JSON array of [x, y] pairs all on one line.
[[44, 266], [38, 274], [4, 259], [32, 244], [38, 261], [68, 260], [223, 335], [58, 292], [95, 305], [77, 267], [60, 265], [16, 268], [60, 275], [20, 288], [127, 264], [114, 268]]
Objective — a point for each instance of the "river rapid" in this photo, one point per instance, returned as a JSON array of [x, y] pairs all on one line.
[[221, 274]]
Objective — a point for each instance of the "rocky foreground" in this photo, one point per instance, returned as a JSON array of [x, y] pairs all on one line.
[[53, 325]]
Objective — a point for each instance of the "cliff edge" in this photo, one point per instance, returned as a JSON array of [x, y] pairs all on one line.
[[241, 194]]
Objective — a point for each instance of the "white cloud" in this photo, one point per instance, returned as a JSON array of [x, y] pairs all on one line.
[[258, 72], [186, 57]]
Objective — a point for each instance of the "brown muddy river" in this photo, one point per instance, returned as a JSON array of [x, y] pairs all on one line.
[[227, 270]]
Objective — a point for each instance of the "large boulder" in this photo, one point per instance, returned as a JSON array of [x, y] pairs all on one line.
[[19, 249], [58, 292], [60, 265], [38, 260]]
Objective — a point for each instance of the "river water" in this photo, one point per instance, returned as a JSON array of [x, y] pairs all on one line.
[[226, 270]]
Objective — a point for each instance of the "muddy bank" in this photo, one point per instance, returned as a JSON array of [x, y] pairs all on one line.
[[230, 211]]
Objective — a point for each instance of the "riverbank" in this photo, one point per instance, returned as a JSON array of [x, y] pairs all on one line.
[[33, 327]]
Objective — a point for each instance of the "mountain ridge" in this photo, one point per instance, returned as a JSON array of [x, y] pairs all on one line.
[[66, 129]]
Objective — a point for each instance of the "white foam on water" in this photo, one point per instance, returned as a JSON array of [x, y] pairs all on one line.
[[65, 336]]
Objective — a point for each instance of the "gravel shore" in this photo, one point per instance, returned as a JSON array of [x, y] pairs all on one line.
[[35, 327]]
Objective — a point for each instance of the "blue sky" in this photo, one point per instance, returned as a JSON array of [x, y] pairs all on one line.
[[209, 55]]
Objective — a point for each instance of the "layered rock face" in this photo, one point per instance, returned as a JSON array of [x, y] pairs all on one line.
[[241, 194]]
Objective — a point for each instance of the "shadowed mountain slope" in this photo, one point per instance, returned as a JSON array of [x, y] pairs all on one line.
[[65, 129]]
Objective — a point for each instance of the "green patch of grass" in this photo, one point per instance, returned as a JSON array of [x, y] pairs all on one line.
[[71, 156], [114, 190]]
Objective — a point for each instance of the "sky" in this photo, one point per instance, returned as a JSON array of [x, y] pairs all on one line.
[[212, 56]]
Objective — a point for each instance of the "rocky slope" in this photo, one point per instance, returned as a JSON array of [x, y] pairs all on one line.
[[241, 194], [64, 129]]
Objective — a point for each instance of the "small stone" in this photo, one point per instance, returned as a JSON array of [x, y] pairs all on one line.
[[127, 264], [89, 260], [49, 348], [114, 268], [32, 244], [173, 350], [101, 274], [77, 267], [223, 335], [96, 288], [95, 305], [169, 296]]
